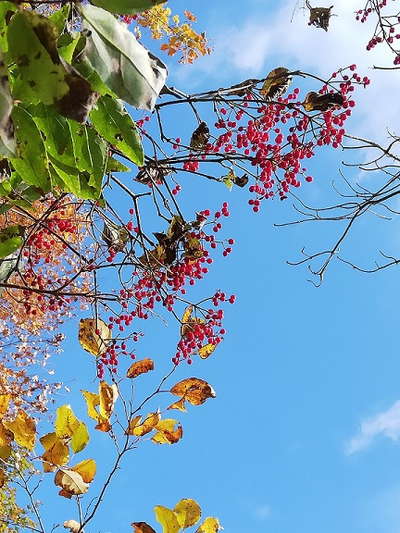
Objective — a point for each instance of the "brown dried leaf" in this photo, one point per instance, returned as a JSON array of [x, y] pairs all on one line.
[[179, 405], [142, 527], [322, 102], [70, 482], [146, 426], [194, 390], [276, 83], [108, 395], [72, 525], [140, 367], [56, 454]]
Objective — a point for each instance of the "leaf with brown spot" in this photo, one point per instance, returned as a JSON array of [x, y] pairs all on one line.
[[140, 367], [70, 482], [194, 390], [142, 527], [133, 422], [166, 432], [179, 405], [206, 350], [24, 429], [87, 469], [92, 342], [188, 512]]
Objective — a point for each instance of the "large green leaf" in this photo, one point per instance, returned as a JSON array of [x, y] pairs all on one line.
[[59, 18], [31, 163], [126, 7], [7, 140], [56, 133], [10, 240], [113, 123], [124, 65], [32, 46]]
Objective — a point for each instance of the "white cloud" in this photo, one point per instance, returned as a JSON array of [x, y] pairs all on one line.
[[386, 423], [266, 39]]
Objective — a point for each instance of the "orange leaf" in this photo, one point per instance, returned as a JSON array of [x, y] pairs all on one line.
[[179, 405], [140, 367], [194, 390], [148, 425], [166, 432]]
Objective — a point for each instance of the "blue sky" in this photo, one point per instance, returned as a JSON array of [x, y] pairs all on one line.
[[302, 436]]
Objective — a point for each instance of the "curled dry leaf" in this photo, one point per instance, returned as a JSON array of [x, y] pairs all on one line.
[[108, 395], [70, 482], [276, 83], [166, 432], [322, 102], [72, 525], [206, 350], [140, 367], [194, 390], [188, 512], [94, 335], [210, 525], [3, 478], [24, 430], [140, 429], [142, 527], [200, 137]]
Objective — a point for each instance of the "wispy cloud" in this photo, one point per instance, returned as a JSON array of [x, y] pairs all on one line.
[[386, 423]]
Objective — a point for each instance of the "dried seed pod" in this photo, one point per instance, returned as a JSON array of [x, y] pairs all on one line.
[[200, 137]]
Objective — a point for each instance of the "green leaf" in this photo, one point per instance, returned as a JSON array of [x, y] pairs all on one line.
[[32, 162], [90, 153], [56, 133], [113, 123], [7, 140], [6, 9], [113, 165], [32, 46], [10, 240], [124, 65], [8, 265], [66, 45], [80, 438], [127, 7]]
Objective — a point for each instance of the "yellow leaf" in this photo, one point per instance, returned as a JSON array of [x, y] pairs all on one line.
[[210, 525], [166, 432], [66, 422], [24, 429], [56, 454], [5, 452], [133, 422], [187, 512], [194, 390], [206, 350], [70, 482], [92, 400], [179, 405], [87, 469], [167, 519], [80, 438], [94, 335], [140, 367], [142, 527], [187, 314], [147, 425], [4, 403], [108, 395]]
